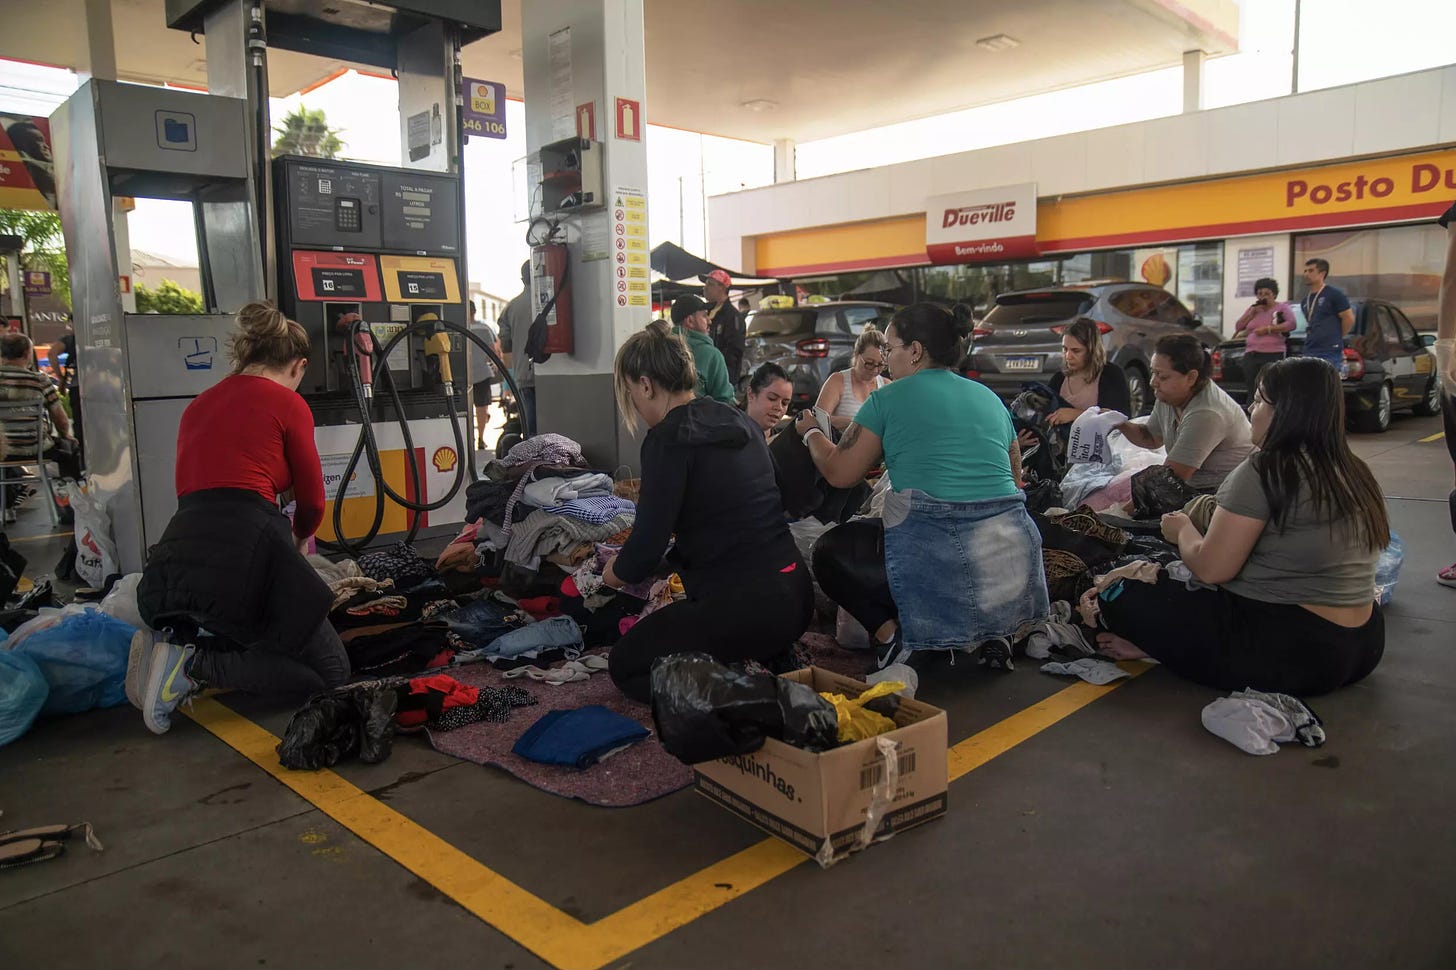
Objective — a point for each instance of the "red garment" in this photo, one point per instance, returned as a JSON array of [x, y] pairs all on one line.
[[415, 709], [541, 607], [255, 434]]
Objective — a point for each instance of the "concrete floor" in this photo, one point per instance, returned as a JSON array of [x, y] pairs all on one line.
[[1123, 836]]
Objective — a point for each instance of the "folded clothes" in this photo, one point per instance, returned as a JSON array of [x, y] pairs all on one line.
[[579, 738], [595, 509], [542, 533], [547, 492]]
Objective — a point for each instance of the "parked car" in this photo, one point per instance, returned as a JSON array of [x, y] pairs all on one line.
[[1020, 339], [1388, 366], [809, 342]]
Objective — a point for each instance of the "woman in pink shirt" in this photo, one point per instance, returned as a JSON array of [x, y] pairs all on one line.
[[1265, 327]]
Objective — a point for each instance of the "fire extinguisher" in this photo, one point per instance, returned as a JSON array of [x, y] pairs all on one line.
[[551, 331]]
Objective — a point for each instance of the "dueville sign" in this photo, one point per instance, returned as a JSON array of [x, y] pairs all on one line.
[[984, 226]]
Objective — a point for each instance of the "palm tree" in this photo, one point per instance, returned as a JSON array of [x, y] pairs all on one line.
[[306, 132]]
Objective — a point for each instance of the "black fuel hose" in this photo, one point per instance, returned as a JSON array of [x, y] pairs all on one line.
[[367, 446]]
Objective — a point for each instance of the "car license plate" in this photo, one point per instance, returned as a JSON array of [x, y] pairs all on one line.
[[1022, 363]]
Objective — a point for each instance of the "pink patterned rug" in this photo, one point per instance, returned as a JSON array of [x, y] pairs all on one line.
[[639, 774]]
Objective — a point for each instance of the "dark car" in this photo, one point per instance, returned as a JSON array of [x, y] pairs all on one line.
[[1387, 366], [1020, 339], [809, 342]]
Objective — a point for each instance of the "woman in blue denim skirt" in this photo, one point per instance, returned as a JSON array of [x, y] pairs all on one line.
[[955, 564]]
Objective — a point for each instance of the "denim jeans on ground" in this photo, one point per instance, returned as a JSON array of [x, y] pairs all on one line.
[[962, 572], [558, 631], [480, 622]]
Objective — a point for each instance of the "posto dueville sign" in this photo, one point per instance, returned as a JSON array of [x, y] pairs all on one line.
[[986, 225]]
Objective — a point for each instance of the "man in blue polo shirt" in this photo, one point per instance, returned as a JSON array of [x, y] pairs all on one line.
[[1328, 311]]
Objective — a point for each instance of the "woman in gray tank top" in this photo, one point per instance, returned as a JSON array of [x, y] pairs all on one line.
[[845, 391], [1292, 548]]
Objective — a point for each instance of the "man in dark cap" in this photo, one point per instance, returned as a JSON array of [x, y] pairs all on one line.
[[725, 324], [690, 321]]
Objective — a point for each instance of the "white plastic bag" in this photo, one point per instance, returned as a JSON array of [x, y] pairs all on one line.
[[95, 550], [1088, 439], [121, 602]]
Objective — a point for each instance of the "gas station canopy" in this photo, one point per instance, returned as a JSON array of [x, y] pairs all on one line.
[[813, 69]]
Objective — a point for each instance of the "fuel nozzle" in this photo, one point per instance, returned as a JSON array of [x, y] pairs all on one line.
[[361, 345], [437, 350]]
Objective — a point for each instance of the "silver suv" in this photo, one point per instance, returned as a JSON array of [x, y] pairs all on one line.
[[809, 342], [1020, 340]]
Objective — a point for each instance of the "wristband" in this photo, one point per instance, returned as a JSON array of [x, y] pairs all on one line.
[[815, 430]]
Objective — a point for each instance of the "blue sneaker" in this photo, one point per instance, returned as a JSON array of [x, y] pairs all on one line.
[[166, 684], [136, 663]]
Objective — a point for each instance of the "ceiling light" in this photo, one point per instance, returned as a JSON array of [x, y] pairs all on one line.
[[998, 42], [760, 104]]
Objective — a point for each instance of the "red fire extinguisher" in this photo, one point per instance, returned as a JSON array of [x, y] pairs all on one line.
[[551, 331]]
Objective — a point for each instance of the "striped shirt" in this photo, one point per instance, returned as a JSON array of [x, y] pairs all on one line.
[[24, 384]]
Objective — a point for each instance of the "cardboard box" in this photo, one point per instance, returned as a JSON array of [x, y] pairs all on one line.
[[819, 802]]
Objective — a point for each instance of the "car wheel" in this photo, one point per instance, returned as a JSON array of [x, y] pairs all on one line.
[[1138, 390], [1430, 401], [1377, 418]]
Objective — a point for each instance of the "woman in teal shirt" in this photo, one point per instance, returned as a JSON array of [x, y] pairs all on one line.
[[956, 562]]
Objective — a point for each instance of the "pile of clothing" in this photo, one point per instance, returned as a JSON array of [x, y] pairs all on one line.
[[543, 503], [397, 616]]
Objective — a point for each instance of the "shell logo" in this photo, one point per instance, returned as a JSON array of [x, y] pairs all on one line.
[[1155, 270], [445, 459]]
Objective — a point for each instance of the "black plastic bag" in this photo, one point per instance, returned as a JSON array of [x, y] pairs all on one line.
[[1156, 491], [357, 720], [706, 710]]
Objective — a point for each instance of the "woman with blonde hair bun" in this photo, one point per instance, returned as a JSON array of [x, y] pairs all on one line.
[[227, 586], [708, 481]]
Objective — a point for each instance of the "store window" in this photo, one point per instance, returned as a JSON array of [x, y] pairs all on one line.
[[1400, 264]]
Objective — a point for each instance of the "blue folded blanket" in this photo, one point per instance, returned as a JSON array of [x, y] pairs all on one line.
[[578, 738]]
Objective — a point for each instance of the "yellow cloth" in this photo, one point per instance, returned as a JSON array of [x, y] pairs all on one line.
[[857, 722]]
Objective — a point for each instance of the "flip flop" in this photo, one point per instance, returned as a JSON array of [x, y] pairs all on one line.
[[26, 851]]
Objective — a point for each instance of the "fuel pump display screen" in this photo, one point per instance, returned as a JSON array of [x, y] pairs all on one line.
[[338, 282], [329, 205], [421, 212], [422, 286]]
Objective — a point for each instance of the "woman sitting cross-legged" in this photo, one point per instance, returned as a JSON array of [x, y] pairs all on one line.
[[1292, 547], [707, 479], [956, 561]]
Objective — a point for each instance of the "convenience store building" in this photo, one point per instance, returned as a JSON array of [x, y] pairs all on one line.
[[1202, 203]]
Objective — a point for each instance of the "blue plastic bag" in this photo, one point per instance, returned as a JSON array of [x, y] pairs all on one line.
[[83, 659], [23, 692], [1387, 569]]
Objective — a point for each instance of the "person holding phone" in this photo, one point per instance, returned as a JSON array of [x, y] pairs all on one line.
[[1266, 326]]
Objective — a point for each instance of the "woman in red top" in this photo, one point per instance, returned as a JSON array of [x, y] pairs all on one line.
[[228, 583]]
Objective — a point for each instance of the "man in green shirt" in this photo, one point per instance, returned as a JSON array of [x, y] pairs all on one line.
[[690, 321]]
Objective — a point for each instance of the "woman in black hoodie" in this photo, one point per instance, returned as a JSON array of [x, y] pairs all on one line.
[[708, 480]]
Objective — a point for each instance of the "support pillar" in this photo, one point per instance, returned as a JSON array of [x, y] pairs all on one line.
[[784, 160], [580, 53], [99, 45], [1193, 80]]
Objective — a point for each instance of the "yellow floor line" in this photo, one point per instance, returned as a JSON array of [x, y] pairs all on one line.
[[1433, 437], [556, 937]]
